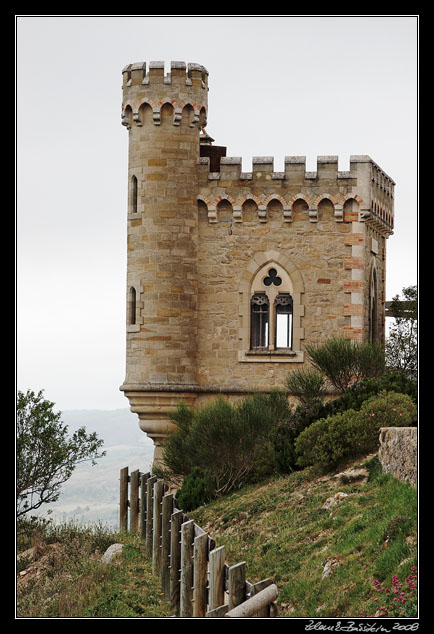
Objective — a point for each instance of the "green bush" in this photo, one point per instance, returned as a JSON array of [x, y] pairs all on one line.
[[287, 430], [232, 442], [197, 489], [309, 386], [328, 440], [356, 394], [344, 362], [389, 409], [351, 433]]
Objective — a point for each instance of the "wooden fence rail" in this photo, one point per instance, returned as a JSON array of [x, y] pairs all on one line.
[[195, 578]]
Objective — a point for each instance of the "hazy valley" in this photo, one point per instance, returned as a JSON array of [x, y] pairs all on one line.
[[92, 492]]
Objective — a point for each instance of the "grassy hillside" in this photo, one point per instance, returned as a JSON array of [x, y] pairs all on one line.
[[324, 551]]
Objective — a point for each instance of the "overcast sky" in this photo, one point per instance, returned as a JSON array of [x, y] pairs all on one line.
[[279, 86]]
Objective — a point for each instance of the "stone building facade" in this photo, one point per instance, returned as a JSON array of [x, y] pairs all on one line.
[[230, 273]]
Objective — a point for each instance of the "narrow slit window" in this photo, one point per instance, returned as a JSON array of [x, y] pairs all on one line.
[[132, 306], [134, 194], [259, 321], [283, 308]]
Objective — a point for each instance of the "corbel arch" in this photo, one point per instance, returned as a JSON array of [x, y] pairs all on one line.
[[333, 199], [299, 196]]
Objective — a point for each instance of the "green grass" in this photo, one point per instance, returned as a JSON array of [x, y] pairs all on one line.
[[281, 530], [76, 584], [278, 527]]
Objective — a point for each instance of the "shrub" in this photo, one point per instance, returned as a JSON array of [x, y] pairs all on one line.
[[389, 409], [358, 392], [344, 361], [329, 440], [309, 386], [287, 430], [197, 489], [232, 442]]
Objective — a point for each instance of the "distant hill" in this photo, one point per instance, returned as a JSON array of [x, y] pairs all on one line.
[[92, 492]]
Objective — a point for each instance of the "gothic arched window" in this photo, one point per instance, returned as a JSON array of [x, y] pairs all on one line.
[[283, 310], [271, 310], [259, 320]]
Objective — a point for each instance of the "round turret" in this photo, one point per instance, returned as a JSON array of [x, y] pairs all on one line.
[[164, 115]]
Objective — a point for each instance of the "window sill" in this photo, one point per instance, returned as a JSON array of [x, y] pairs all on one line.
[[281, 355], [277, 352]]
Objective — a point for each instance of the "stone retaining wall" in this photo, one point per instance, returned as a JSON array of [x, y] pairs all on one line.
[[398, 453]]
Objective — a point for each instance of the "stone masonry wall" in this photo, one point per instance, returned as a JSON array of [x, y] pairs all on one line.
[[398, 453]]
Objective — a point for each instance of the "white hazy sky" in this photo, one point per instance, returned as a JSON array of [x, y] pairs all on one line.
[[279, 86]]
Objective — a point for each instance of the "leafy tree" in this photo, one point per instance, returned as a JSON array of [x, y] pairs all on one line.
[[401, 344], [46, 456]]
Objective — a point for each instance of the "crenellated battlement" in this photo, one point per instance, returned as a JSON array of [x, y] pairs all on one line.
[[180, 73], [148, 87], [365, 184]]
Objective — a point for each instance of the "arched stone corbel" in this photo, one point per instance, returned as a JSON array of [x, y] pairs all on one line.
[[237, 213], [339, 213], [136, 117], [156, 115], [212, 213], [313, 213], [262, 213], [177, 116], [287, 213], [195, 118]]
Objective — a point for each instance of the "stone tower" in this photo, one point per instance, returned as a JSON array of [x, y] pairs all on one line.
[[164, 115], [231, 272]]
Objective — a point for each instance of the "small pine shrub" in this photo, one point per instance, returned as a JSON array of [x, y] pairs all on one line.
[[233, 442], [344, 361], [308, 386], [197, 489]]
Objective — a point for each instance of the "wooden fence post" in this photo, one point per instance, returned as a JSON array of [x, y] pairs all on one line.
[[134, 501], [156, 538], [237, 585], [166, 512], [149, 515], [187, 536], [216, 578], [255, 589], [143, 506], [200, 578], [259, 604], [123, 501], [176, 521]]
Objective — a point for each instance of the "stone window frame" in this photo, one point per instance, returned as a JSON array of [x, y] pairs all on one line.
[[134, 207], [373, 295], [249, 284], [136, 286]]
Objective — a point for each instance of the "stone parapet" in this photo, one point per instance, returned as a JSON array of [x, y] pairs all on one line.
[[398, 453]]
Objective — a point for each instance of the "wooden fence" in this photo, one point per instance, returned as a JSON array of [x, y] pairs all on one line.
[[194, 576]]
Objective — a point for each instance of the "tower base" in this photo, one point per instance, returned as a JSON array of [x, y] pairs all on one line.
[[153, 407]]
